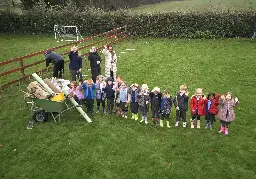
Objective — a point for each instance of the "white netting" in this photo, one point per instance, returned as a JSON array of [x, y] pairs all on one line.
[[66, 33]]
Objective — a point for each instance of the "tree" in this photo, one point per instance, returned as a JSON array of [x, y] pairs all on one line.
[[28, 4]]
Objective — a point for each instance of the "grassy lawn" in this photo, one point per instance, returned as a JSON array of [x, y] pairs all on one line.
[[112, 147], [197, 5]]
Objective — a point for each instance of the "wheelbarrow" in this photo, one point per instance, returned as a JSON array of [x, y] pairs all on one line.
[[41, 108], [54, 104]]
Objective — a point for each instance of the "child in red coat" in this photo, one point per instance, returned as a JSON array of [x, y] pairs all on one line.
[[197, 107], [211, 109]]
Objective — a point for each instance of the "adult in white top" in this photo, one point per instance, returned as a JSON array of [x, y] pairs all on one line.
[[110, 62]]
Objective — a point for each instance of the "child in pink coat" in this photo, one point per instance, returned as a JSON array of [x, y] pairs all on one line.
[[226, 113], [76, 91]]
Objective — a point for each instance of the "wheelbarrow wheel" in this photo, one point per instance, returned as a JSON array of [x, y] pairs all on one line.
[[40, 115]]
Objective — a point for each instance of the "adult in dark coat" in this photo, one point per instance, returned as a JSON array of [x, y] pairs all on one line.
[[75, 65], [57, 61], [95, 61]]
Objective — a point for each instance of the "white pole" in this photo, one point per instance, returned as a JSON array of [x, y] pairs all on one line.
[[43, 84], [49, 90], [80, 110], [76, 34], [55, 32]]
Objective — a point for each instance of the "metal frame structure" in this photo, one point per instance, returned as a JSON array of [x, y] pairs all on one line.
[[60, 33]]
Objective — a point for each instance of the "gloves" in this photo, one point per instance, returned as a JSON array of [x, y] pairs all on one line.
[[177, 108], [98, 62]]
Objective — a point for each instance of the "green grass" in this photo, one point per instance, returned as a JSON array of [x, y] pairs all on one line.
[[196, 5], [112, 147]]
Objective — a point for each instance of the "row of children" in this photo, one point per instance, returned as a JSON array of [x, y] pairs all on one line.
[[140, 98]]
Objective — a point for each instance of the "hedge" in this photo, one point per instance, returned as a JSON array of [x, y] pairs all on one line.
[[173, 24]]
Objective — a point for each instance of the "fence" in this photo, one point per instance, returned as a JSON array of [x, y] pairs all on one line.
[[110, 37]]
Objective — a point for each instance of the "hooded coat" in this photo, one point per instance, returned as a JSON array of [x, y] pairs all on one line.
[[110, 63]]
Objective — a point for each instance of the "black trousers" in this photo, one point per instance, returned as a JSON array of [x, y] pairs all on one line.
[[210, 118], [197, 117], [75, 74], [124, 106], [155, 113], [134, 107], [110, 105], [58, 69], [226, 124], [95, 72], [165, 116], [112, 75], [181, 114], [79, 101], [102, 102], [89, 106]]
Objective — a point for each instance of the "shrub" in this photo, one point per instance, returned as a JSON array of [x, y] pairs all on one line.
[[94, 21]]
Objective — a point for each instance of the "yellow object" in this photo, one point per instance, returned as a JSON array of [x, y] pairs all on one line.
[[59, 97]]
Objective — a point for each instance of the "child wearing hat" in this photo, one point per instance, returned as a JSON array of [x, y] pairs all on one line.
[[110, 94], [156, 98], [134, 105]]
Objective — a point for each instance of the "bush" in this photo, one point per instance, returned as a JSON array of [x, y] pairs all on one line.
[[94, 21]]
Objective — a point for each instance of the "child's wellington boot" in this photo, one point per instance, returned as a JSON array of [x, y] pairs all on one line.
[[222, 129], [226, 130], [198, 124], [146, 120], [133, 116], [168, 124], [136, 116], [192, 124], [207, 126], [161, 123], [98, 109], [143, 118]]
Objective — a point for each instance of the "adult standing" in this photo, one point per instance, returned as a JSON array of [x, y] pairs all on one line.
[[75, 64], [110, 62], [57, 61], [95, 61]]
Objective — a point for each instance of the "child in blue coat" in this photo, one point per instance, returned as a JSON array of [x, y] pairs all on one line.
[[166, 108], [89, 87]]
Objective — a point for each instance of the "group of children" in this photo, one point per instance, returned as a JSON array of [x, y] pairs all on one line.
[[140, 100]]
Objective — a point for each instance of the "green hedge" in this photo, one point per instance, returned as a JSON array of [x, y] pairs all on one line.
[[187, 25], [194, 25]]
